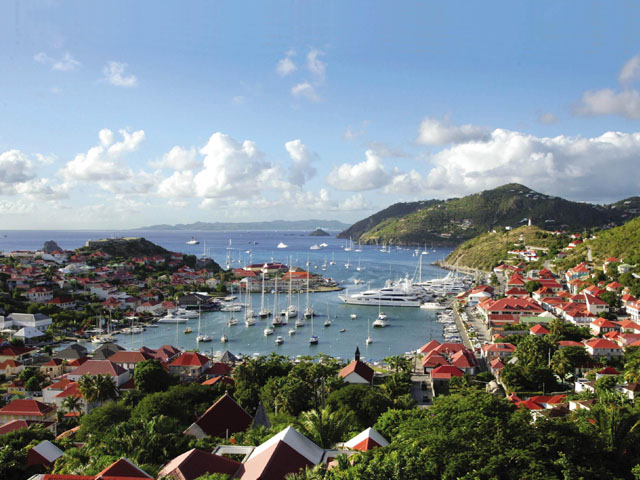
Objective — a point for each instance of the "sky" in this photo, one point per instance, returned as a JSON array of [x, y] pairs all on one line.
[[126, 114]]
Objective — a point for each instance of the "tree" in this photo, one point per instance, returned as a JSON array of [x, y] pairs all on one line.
[[367, 403], [72, 404], [97, 388], [32, 385], [325, 426], [611, 298], [150, 377], [566, 359], [531, 286]]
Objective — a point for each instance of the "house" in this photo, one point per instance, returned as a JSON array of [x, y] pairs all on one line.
[[221, 419], [8, 368], [195, 463], [63, 302], [601, 347], [39, 294], [29, 335], [27, 410], [166, 353], [465, 361], [45, 453], [631, 390], [129, 360], [366, 440], [104, 351], [357, 372], [633, 310], [595, 305], [601, 326], [538, 330], [53, 368], [489, 351], [443, 374], [287, 452], [118, 374], [627, 326], [510, 306], [15, 352], [72, 352], [14, 425], [190, 366], [34, 320]]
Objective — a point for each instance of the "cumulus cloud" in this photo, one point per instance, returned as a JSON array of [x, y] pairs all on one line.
[[178, 185], [367, 175], [18, 177], [178, 158], [433, 131], [593, 169], [306, 90], [285, 65], [114, 73], [301, 170], [607, 101], [316, 66], [404, 183], [101, 162], [610, 102], [15, 167], [64, 64]]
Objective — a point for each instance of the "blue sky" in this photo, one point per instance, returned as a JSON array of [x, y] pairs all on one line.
[[123, 114]]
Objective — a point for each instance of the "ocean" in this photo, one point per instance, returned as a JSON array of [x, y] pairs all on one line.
[[409, 327]]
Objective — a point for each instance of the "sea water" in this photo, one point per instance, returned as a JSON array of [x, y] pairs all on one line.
[[408, 327]]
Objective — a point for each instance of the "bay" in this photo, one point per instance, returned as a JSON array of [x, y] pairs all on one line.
[[409, 328]]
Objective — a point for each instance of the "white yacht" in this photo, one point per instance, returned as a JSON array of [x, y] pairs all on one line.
[[282, 245], [314, 247], [171, 318], [193, 241], [268, 331], [279, 340], [248, 322], [402, 294], [379, 323], [203, 338], [432, 306]]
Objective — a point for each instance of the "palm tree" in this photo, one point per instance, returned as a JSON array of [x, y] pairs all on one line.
[[326, 427], [72, 404], [88, 389], [106, 388]]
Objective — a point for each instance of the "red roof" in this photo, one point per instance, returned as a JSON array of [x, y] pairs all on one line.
[[122, 468], [99, 367], [602, 343], [124, 356], [218, 368], [224, 416], [427, 347], [196, 463], [13, 425], [446, 372], [31, 408], [539, 330], [608, 371], [358, 367], [530, 404], [570, 343], [190, 359]]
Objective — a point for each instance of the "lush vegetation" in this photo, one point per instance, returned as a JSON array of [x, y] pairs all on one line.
[[488, 250], [455, 220]]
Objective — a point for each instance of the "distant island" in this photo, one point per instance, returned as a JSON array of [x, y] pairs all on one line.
[[271, 225], [319, 233]]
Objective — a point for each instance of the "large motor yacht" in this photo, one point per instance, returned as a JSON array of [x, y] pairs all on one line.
[[401, 294]]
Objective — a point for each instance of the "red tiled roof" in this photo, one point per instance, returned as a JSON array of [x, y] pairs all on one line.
[[26, 408], [99, 367], [190, 359], [539, 330], [196, 463], [13, 425], [124, 356], [446, 372], [122, 468], [218, 368], [360, 368], [602, 343]]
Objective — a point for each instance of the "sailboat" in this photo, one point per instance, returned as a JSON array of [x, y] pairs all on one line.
[[201, 337], [347, 265], [369, 339], [313, 339], [350, 247], [264, 312], [292, 310], [327, 322], [308, 311], [358, 267], [333, 259]]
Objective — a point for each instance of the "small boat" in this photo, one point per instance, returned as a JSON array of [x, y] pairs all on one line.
[[432, 306], [282, 245], [279, 340], [249, 321], [323, 245], [193, 241], [188, 330], [224, 338], [232, 322], [369, 340], [327, 322], [382, 316], [313, 340], [268, 331], [314, 247], [203, 338], [379, 323], [276, 322], [342, 330], [300, 322], [353, 316], [292, 331]]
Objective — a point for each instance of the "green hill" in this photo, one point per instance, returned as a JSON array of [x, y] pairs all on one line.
[[621, 242], [452, 221], [490, 249]]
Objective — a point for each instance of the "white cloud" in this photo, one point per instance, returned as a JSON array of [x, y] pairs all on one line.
[[607, 101], [316, 66], [630, 71], [548, 118], [114, 73], [301, 170], [17, 177], [610, 102], [596, 169], [100, 163], [441, 132], [305, 89], [64, 64], [15, 167], [285, 65], [178, 185], [178, 158], [405, 183], [367, 175]]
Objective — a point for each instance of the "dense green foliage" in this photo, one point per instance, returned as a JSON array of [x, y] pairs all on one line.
[[464, 218], [150, 377], [13, 452]]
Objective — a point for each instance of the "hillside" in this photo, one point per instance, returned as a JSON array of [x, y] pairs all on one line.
[[621, 242], [271, 225], [489, 249], [452, 221]]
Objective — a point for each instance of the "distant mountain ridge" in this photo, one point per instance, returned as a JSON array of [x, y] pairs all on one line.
[[452, 221], [270, 225]]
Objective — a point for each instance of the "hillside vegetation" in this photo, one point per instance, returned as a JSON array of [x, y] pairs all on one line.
[[621, 242], [124, 247], [450, 222], [488, 250]]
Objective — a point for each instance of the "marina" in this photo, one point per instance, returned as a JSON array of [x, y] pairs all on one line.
[[407, 328]]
